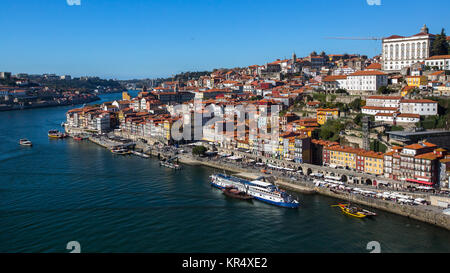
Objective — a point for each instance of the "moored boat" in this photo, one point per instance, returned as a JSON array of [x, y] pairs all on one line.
[[170, 165], [140, 154], [235, 193], [78, 138], [351, 211], [25, 142], [368, 213], [56, 134], [259, 190], [120, 151]]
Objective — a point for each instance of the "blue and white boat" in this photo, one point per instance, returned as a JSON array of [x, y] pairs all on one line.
[[260, 190]]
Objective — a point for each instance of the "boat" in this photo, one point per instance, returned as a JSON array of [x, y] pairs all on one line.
[[169, 165], [78, 138], [120, 151], [233, 192], [368, 213], [56, 134], [352, 211], [140, 154], [259, 190], [25, 142]]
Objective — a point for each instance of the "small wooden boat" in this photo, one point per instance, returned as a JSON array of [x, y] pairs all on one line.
[[235, 193], [78, 138], [25, 142]]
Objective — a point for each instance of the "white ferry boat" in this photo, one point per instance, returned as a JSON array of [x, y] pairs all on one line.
[[260, 190]]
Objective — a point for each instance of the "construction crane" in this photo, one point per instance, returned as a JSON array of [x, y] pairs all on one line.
[[355, 38]]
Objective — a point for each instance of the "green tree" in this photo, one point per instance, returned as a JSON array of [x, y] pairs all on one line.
[[356, 104], [331, 129], [377, 146], [199, 150], [440, 44], [385, 90]]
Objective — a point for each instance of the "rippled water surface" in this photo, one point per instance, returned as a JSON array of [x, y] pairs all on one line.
[[63, 190]]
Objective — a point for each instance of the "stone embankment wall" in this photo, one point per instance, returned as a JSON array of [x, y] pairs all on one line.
[[421, 213]]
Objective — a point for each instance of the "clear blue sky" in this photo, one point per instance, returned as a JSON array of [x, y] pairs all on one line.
[[149, 38]]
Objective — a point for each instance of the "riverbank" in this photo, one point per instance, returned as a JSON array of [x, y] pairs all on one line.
[[44, 104], [428, 214]]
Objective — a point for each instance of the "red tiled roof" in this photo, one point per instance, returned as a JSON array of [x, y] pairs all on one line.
[[418, 101], [385, 97], [374, 66], [438, 57], [367, 73], [334, 78]]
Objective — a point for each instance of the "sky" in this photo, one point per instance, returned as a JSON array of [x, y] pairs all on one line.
[[125, 39]]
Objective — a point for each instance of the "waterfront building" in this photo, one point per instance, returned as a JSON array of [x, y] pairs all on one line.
[[355, 159], [341, 156], [373, 162], [90, 118], [400, 52], [416, 163], [321, 155]]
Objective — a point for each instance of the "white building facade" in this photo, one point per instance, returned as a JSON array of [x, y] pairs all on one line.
[[400, 52], [366, 81], [442, 62], [421, 107]]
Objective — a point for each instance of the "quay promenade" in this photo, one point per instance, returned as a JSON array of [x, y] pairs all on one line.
[[429, 214]]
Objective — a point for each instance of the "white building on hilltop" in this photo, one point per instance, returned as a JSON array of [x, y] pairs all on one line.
[[400, 51]]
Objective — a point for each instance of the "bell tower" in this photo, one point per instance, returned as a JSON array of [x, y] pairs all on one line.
[[424, 29]]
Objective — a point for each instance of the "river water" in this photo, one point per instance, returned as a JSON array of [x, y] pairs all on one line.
[[63, 190]]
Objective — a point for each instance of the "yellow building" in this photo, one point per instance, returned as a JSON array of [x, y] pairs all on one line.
[[126, 96], [416, 80], [373, 162], [343, 156], [167, 129], [244, 144], [324, 114]]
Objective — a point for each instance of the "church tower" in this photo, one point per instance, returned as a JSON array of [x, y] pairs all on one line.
[[424, 29]]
